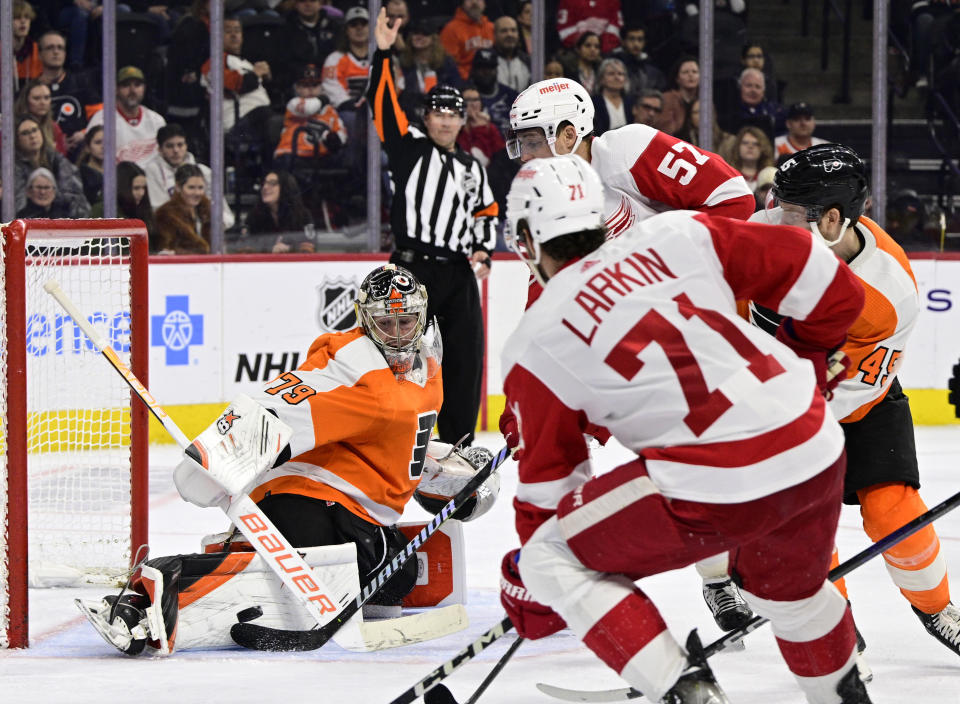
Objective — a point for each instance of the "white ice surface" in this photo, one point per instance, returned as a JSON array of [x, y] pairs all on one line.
[[68, 662]]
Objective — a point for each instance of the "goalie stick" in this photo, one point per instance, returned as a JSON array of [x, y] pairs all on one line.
[[471, 651], [733, 637], [269, 542], [255, 637]]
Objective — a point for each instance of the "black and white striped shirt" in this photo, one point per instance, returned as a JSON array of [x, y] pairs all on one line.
[[442, 201]]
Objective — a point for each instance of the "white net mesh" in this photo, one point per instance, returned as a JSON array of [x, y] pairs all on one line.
[[77, 415]]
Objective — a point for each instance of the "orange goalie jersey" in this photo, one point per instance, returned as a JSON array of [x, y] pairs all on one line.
[[359, 434]]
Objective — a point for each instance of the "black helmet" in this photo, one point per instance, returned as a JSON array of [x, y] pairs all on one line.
[[444, 98], [824, 176]]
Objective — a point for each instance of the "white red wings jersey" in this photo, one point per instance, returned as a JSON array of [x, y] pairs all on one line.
[[645, 171], [643, 337], [359, 434], [876, 342]]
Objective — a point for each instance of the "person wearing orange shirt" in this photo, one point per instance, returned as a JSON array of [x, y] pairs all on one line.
[[823, 189], [468, 31], [331, 452]]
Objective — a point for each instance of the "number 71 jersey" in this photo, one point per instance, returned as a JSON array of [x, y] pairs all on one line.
[[642, 337]]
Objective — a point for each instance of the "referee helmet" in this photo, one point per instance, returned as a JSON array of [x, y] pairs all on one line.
[[444, 98]]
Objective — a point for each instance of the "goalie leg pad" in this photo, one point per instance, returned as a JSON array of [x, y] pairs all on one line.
[[441, 566]]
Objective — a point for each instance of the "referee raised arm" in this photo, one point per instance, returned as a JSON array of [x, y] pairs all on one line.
[[443, 218]]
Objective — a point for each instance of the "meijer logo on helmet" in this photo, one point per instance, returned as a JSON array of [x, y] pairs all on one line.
[[555, 87]]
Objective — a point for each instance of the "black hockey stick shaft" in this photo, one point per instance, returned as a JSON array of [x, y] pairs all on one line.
[[255, 637], [471, 651], [441, 695], [849, 566]]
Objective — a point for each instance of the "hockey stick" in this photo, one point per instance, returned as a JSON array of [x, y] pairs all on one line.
[[250, 635], [269, 543], [441, 695], [471, 651], [733, 637]]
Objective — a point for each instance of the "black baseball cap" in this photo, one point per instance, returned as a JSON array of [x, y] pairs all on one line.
[[799, 110], [485, 57]]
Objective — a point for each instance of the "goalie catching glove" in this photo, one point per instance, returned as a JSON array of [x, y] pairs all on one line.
[[226, 458], [446, 471]]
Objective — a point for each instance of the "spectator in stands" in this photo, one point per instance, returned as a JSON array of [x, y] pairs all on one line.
[[479, 136], [321, 131], [525, 26], [753, 56], [678, 101], [752, 156], [183, 222], [722, 143], [133, 198], [641, 72], [35, 100], [90, 163], [753, 107], [308, 38], [497, 99], [513, 67], [586, 60], [74, 21], [42, 200], [281, 212], [601, 17], [648, 107], [424, 64], [246, 103], [25, 49], [346, 71], [33, 152], [397, 11], [136, 125], [160, 171], [553, 69], [800, 127], [189, 50], [613, 106], [72, 92], [468, 31]]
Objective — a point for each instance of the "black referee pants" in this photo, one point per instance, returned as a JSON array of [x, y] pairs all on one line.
[[454, 298]]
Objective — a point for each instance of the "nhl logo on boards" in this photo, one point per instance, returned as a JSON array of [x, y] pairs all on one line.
[[335, 312]]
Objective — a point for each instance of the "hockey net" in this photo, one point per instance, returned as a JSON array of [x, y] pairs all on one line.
[[73, 453]]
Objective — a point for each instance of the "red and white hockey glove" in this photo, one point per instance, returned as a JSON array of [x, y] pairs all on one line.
[[511, 432], [830, 366], [532, 619]]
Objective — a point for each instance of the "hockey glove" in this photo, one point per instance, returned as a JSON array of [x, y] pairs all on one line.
[[829, 366], [532, 619], [511, 433]]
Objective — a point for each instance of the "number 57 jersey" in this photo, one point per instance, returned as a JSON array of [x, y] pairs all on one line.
[[642, 337]]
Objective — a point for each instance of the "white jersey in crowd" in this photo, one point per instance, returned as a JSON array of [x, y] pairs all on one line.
[[877, 341], [732, 415], [160, 183], [136, 138], [645, 171]]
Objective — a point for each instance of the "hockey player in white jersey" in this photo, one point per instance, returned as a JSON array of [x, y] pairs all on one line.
[[644, 171], [736, 448]]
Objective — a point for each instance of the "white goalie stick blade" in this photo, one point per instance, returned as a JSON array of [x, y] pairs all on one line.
[[119, 638], [579, 695], [366, 636]]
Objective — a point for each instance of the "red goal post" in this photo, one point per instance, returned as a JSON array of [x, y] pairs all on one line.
[[73, 439]]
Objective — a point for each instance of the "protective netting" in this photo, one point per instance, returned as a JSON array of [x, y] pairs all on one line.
[[77, 415]]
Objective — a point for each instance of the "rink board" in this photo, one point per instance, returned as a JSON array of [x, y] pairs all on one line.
[[222, 326]]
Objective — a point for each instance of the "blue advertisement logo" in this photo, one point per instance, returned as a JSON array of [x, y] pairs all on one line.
[[176, 330]]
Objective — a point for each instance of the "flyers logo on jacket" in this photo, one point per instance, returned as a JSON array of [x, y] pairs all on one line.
[[335, 313]]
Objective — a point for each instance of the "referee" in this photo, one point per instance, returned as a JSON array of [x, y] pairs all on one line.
[[443, 218]]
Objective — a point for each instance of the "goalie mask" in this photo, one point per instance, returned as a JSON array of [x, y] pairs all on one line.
[[819, 178], [392, 309], [550, 198]]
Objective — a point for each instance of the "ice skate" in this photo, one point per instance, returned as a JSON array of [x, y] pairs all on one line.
[[852, 690], [697, 684], [863, 668], [726, 604], [120, 620], [944, 626]]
